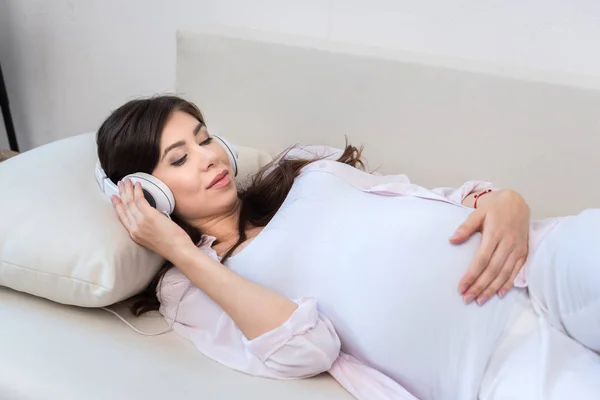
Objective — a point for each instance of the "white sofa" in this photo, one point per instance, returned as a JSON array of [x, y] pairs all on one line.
[[50, 351]]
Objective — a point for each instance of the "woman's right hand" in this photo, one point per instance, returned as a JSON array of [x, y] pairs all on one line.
[[147, 226]]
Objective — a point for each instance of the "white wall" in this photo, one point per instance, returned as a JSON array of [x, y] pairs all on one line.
[[69, 62]]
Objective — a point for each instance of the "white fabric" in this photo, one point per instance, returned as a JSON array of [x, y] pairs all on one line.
[[565, 278], [59, 235], [362, 256], [50, 351], [548, 353], [535, 361], [217, 337], [300, 345]]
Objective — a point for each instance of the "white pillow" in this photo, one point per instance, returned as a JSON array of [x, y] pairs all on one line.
[[59, 235]]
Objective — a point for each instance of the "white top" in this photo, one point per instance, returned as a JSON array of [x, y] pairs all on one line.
[[369, 262]]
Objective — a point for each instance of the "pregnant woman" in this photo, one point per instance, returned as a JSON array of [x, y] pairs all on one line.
[[399, 292]]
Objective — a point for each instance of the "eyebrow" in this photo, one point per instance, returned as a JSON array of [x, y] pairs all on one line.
[[181, 142]]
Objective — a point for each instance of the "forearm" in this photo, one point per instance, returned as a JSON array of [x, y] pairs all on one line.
[[254, 309]]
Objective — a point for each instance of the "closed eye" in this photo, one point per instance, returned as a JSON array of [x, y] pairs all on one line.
[[180, 162], [206, 141]]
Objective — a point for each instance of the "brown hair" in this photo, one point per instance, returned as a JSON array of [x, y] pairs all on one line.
[[128, 141]]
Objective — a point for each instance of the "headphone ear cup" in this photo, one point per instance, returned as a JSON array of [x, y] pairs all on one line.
[[155, 192], [231, 151]]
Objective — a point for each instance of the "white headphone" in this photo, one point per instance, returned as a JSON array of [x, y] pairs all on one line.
[[156, 192]]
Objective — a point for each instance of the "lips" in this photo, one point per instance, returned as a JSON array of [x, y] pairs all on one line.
[[222, 179]]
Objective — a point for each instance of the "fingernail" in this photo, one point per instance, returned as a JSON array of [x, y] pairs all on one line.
[[481, 300], [469, 298], [502, 292]]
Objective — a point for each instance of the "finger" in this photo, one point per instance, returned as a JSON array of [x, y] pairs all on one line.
[[500, 279], [491, 271], [480, 262], [510, 282], [140, 199], [121, 214], [125, 194], [137, 201], [469, 227], [115, 199]]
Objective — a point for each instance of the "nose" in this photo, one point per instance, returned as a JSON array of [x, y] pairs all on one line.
[[208, 157]]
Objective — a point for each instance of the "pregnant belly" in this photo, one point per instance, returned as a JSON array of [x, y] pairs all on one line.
[[394, 301], [383, 270]]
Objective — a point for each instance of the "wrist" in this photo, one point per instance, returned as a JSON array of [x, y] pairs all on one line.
[[476, 199], [478, 196], [501, 195], [182, 253]]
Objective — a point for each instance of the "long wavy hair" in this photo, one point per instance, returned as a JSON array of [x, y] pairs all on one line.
[[129, 141]]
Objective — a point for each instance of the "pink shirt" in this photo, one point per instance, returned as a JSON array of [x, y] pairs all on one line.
[[307, 343]]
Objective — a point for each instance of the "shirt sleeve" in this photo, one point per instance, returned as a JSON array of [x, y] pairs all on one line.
[[364, 382], [304, 346]]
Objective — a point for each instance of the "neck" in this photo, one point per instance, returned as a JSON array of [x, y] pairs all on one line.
[[224, 227]]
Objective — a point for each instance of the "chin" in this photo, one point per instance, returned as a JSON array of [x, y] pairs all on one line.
[[232, 191]]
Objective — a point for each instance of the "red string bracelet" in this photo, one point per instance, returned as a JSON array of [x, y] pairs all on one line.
[[477, 196]]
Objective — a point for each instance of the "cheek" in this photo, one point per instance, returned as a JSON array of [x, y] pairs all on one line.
[[186, 189], [222, 155]]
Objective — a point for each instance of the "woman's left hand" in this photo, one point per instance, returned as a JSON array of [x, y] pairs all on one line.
[[503, 219]]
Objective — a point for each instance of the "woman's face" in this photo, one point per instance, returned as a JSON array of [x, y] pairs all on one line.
[[196, 169]]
